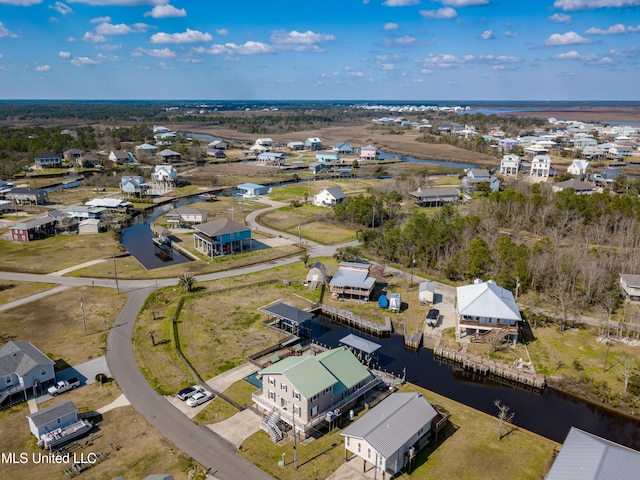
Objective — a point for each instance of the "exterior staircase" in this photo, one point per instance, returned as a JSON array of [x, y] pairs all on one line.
[[495, 335], [4, 396], [270, 425]]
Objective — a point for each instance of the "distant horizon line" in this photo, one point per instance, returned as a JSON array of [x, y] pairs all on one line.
[[405, 101]]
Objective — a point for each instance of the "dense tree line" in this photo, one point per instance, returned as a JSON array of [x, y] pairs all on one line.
[[82, 111], [260, 123]]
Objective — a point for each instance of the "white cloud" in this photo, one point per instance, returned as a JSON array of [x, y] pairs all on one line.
[[101, 20], [588, 59], [569, 38], [222, 32], [42, 68], [83, 61], [161, 53], [388, 66], [64, 54], [110, 47], [625, 52], [445, 12], [189, 36], [612, 30], [426, 71], [166, 11], [300, 41], [144, 67], [446, 60], [71, 39], [61, 8], [164, 66], [511, 34], [247, 48], [487, 35], [465, 3], [390, 26], [120, 3], [406, 41], [355, 74], [5, 32], [1, 56], [22, 3], [560, 18], [121, 28], [93, 38], [400, 3], [593, 4]]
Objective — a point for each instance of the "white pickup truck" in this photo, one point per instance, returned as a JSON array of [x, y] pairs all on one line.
[[63, 386]]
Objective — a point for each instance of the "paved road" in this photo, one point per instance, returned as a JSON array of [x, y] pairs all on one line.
[[200, 443]]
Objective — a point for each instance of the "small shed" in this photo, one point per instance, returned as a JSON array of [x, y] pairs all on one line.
[[395, 302], [317, 274], [426, 293], [53, 417], [90, 226], [253, 189]]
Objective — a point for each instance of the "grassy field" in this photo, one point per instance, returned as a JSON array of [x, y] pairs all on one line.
[[212, 341], [142, 449], [297, 191], [221, 208], [288, 218], [469, 449], [12, 290], [218, 410], [53, 254], [54, 323]]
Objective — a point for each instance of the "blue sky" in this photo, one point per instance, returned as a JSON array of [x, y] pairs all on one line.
[[312, 50]]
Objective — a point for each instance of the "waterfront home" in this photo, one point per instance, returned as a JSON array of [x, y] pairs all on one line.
[[72, 155], [578, 186], [35, 229], [327, 158], [221, 237], [22, 366], [352, 282], [215, 153], [317, 167], [329, 197], [313, 143], [368, 153], [487, 313], [392, 432], [134, 185], [578, 168], [48, 160], [252, 189], [342, 147], [218, 144], [607, 176], [83, 212], [270, 159], [586, 456], [476, 176], [165, 174], [541, 166], [510, 165], [631, 286], [146, 147], [186, 216], [436, 196], [302, 390], [114, 204], [169, 156], [295, 146], [28, 196]]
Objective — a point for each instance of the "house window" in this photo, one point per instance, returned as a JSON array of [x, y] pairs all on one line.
[[314, 410], [272, 381], [296, 395], [43, 372], [8, 379], [58, 420], [348, 441], [368, 453], [272, 395], [283, 387], [297, 410], [359, 447]]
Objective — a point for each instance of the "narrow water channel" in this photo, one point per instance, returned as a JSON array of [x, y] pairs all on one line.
[[550, 414]]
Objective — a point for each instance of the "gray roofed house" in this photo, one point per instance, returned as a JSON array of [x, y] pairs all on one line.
[[585, 456], [21, 365], [631, 286], [476, 176], [35, 229], [55, 416], [221, 237], [384, 435], [48, 160], [169, 156], [579, 187], [329, 197], [187, 216], [21, 196], [352, 281], [436, 196]]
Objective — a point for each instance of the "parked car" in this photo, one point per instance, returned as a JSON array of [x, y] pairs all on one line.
[[188, 392], [433, 317], [63, 386], [199, 398]]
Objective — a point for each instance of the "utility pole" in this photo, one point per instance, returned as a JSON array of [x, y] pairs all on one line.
[[156, 290], [413, 265], [604, 368], [295, 444], [84, 323], [299, 235], [115, 274], [517, 287]]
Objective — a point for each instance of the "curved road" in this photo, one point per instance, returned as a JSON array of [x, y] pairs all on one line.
[[200, 443]]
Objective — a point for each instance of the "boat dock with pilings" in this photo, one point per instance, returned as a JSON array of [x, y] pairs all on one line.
[[344, 317], [497, 371]]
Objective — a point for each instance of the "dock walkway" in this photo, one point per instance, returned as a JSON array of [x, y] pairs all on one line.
[[347, 318]]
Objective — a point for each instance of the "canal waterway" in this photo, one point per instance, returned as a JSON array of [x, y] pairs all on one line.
[[550, 414]]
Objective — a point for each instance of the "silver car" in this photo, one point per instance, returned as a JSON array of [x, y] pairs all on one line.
[[199, 398]]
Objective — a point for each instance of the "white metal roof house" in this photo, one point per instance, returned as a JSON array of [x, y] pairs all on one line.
[[266, 142], [541, 166], [253, 189], [90, 226], [387, 435], [585, 456], [21, 367], [578, 168], [110, 203], [313, 143], [485, 310], [510, 165], [329, 197], [146, 147]]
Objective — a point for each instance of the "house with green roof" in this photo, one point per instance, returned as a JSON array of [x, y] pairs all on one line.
[[302, 390]]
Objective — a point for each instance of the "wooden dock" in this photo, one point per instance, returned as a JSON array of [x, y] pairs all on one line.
[[412, 342], [483, 366], [344, 317]]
